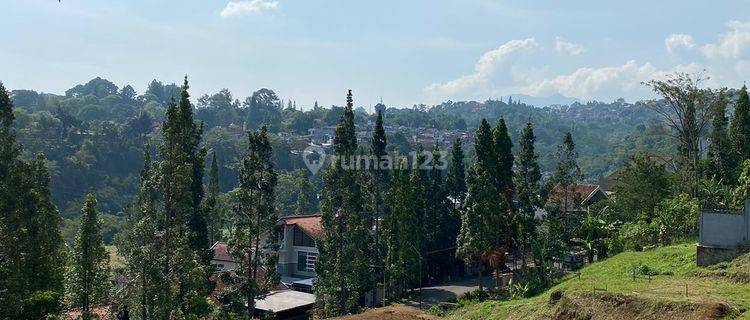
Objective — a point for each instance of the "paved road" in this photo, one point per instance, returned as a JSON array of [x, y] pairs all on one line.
[[446, 292]]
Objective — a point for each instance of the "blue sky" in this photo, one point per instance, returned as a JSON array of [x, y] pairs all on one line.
[[406, 52]]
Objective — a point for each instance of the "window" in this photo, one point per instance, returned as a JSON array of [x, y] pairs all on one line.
[[306, 261], [302, 239]]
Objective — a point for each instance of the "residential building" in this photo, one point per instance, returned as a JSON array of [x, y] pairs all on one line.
[[577, 196], [297, 251], [222, 260]]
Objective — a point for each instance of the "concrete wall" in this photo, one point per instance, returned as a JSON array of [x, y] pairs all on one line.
[[722, 229], [723, 236], [706, 255]]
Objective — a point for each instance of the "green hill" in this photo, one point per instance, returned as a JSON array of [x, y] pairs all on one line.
[[667, 285]]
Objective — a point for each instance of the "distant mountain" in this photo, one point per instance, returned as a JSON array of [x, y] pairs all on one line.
[[555, 99]]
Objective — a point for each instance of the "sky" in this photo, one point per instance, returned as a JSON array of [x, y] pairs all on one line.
[[405, 52]]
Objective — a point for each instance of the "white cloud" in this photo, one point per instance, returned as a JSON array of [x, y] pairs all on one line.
[[569, 48], [676, 41], [732, 44], [247, 6], [590, 82], [486, 66]]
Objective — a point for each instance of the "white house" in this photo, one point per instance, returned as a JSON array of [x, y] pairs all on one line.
[[297, 250], [221, 258]]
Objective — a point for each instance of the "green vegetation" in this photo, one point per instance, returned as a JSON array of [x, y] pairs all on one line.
[[661, 279], [396, 229]]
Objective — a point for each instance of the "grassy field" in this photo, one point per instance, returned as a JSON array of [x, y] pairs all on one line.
[[677, 288]]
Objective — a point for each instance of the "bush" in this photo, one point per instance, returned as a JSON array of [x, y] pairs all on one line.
[[637, 235], [532, 280], [555, 296], [42, 303], [677, 217]]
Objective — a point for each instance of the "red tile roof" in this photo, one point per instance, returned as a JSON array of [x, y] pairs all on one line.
[[221, 253], [310, 224]]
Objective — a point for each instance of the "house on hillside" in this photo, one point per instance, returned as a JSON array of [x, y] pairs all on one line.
[[222, 260], [297, 251], [577, 197]]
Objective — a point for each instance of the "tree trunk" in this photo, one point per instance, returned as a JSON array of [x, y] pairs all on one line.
[[143, 295], [342, 283], [251, 296], [479, 278]]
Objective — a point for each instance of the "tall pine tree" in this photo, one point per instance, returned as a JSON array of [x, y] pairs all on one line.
[[182, 222], [567, 173], [210, 206], [255, 217], [376, 189], [739, 129], [455, 179], [142, 245], [89, 271], [343, 266], [31, 247], [719, 151], [527, 178], [480, 214]]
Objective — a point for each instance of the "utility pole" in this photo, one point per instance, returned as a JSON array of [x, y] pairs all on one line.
[[419, 255]]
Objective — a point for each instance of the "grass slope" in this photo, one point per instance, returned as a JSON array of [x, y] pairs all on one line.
[[608, 290]]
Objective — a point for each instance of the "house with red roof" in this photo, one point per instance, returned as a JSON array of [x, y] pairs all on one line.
[[297, 250], [222, 260]]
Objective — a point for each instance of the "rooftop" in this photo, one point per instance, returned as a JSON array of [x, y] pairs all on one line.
[[285, 300], [310, 224], [221, 252]]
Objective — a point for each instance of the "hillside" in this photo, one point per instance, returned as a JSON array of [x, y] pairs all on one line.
[[608, 290]]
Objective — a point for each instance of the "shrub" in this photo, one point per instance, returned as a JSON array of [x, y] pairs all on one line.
[[42, 303], [637, 235]]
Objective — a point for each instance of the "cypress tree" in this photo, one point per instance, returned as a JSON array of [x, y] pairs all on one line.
[[305, 193], [87, 280], [719, 151], [254, 217], [46, 269], [197, 222], [210, 203], [377, 187], [480, 212], [10, 282], [343, 265], [503, 147], [401, 233], [455, 179], [31, 251], [739, 129], [9, 150], [142, 244], [183, 224], [527, 178], [443, 220], [504, 218], [567, 171]]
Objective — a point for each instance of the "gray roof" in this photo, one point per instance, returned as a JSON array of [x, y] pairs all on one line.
[[284, 300]]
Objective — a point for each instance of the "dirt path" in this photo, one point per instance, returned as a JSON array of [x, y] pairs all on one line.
[[398, 312]]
